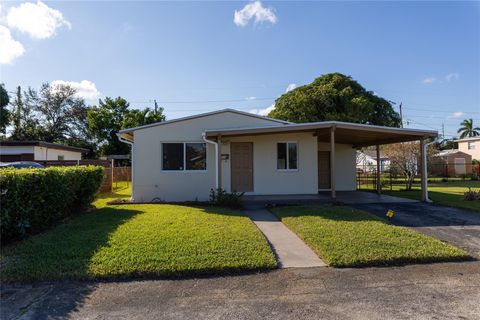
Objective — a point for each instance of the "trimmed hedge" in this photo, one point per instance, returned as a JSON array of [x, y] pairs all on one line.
[[34, 199]]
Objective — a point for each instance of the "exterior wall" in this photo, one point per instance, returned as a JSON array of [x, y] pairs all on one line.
[[151, 182], [43, 153], [16, 149], [266, 178], [475, 153], [345, 165]]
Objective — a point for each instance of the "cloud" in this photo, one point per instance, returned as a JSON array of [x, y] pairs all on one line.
[[429, 80], [290, 87], [85, 89], [10, 49], [458, 114], [250, 98], [452, 76], [254, 10], [36, 19], [267, 110]]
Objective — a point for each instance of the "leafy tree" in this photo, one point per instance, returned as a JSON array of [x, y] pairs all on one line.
[[25, 122], [60, 112], [468, 130], [136, 117], [337, 97], [112, 115], [4, 113]]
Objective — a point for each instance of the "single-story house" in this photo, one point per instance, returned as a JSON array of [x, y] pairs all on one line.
[[451, 163], [11, 151], [367, 161], [183, 159], [470, 146]]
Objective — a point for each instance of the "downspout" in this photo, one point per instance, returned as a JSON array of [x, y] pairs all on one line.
[[204, 136], [122, 139], [425, 168]]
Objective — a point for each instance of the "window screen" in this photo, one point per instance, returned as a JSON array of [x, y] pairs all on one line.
[[287, 156], [172, 155], [196, 158]]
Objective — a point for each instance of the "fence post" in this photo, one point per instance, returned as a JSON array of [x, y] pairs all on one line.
[[111, 168]]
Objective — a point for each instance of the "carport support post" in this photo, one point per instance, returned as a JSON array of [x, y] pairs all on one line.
[[219, 162], [332, 162], [379, 183], [423, 169]]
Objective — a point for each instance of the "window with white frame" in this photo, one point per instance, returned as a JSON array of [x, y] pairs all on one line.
[[184, 156], [471, 145], [287, 156]]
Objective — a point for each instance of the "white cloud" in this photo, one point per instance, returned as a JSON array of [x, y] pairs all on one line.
[[250, 98], [36, 19], [290, 87], [452, 76], [458, 114], [429, 80], [254, 10], [85, 89], [10, 49], [266, 111]]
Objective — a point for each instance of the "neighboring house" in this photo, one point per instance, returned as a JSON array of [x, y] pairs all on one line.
[[11, 151], [367, 161], [470, 146], [183, 159], [451, 163]]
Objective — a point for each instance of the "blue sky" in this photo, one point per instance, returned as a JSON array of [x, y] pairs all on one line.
[[192, 57]]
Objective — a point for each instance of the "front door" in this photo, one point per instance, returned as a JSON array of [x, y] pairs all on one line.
[[242, 166], [324, 170]]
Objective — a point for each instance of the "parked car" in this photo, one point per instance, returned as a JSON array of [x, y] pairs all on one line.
[[22, 165]]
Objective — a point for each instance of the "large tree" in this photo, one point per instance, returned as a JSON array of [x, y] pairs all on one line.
[[468, 130], [112, 115], [337, 97], [4, 113]]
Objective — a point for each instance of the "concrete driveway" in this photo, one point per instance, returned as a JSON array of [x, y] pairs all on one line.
[[437, 291], [456, 226]]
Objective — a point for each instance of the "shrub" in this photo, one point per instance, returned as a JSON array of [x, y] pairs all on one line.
[[223, 198], [34, 199], [471, 195]]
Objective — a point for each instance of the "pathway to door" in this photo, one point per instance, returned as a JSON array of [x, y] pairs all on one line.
[[290, 250]]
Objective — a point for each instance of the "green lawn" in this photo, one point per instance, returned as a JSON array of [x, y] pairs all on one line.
[[345, 237], [140, 241], [445, 193]]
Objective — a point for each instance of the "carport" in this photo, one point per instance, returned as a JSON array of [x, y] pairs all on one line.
[[332, 132]]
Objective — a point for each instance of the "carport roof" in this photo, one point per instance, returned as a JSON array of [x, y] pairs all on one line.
[[358, 135]]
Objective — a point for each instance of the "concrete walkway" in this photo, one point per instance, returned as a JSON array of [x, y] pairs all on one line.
[[290, 250]]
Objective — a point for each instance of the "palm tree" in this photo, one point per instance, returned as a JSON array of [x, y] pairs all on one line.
[[467, 130]]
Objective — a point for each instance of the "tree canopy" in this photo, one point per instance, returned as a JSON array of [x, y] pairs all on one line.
[[337, 97], [467, 129], [112, 115], [4, 112]]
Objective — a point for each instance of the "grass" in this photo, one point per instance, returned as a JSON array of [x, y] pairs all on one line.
[[148, 240], [445, 193], [345, 237]]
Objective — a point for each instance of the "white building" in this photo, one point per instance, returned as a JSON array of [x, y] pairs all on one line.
[[11, 151], [183, 159]]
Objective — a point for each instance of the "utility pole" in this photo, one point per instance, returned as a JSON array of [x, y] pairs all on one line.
[[156, 106], [443, 131], [401, 116]]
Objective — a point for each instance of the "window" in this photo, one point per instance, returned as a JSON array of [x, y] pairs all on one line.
[[196, 156], [184, 156], [61, 157], [471, 145], [287, 156]]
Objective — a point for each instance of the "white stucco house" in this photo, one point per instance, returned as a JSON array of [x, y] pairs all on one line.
[[470, 146], [183, 159], [11, 151]]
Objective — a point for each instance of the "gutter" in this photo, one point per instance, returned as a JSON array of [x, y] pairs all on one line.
[[204, 137], [122, 139]]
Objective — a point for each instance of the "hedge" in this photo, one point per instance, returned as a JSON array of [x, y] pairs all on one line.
[[34, 199]]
